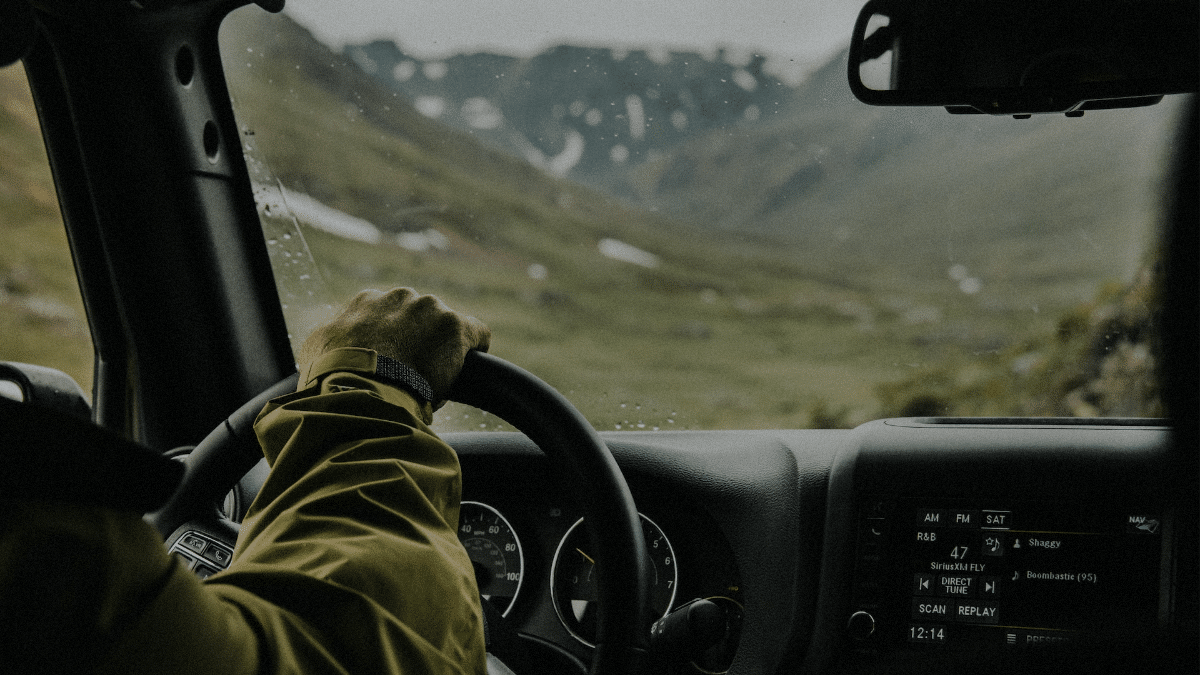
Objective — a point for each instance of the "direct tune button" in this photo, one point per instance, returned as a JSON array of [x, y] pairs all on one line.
[[861, 625], [956, 585]]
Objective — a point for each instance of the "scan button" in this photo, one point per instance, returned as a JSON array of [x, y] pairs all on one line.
[[938, 609]]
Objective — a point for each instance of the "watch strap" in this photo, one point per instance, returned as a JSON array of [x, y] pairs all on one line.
[[400, 374], [370, 363]]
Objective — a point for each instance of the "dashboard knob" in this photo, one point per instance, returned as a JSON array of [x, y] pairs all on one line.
[[861, 625]]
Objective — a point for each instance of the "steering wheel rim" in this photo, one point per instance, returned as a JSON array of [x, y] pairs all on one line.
[[531, 406]]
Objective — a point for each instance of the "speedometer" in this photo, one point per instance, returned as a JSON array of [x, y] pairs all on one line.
[[495, 553], [573, 579]]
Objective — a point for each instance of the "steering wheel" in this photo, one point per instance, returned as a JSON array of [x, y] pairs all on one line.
[[551, 422]]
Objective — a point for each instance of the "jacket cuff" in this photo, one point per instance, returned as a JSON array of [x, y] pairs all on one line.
[[370, 364]]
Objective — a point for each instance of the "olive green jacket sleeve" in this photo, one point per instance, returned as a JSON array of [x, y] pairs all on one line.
[[348, 561], [354, 534]]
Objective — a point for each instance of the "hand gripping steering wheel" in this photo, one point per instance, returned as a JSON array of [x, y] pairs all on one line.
[[550, 421]]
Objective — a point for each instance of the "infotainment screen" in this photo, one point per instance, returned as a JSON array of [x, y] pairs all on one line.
[[1012, 576]]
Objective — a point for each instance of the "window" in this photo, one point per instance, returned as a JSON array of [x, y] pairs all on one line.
[[41, 313], [700, 237]]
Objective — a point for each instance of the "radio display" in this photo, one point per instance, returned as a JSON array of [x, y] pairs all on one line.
[[1014, 576]]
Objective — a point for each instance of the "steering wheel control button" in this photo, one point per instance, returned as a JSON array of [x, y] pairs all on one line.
[[218, 555], [193, 542], [861, 626]]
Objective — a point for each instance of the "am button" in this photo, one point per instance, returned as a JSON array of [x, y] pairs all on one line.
[[932, 518]]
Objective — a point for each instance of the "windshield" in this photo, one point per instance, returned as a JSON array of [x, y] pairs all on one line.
[[681, 218]]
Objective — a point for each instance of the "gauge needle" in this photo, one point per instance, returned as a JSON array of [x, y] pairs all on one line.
[[586, 556]]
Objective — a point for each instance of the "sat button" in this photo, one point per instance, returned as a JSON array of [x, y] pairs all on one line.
[[999, 520]]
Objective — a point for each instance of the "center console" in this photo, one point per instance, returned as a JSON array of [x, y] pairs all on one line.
[[994, 545]]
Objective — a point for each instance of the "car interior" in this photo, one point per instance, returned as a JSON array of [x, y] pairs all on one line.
[[918, 543]]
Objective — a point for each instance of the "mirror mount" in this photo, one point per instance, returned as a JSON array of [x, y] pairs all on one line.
[[1024, 57]]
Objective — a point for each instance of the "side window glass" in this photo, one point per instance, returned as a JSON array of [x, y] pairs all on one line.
[[42, 319]]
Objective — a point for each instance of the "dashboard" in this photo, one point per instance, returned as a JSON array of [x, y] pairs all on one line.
[[905, 545]]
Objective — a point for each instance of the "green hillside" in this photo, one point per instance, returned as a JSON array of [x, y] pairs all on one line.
[[851, 184], [39, 299]]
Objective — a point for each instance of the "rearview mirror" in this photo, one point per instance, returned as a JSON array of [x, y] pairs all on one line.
[[1018, 57]]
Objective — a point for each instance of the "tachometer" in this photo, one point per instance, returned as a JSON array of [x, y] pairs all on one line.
[[495, 553], [573, 579]]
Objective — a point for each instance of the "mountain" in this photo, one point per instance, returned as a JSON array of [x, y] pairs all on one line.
[[851, 184], [689, 136], [579, 112]]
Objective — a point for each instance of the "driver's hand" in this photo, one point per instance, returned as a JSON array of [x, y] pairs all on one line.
[[418, 330]]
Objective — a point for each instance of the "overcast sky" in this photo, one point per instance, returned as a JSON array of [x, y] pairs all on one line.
[[804, 30]]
